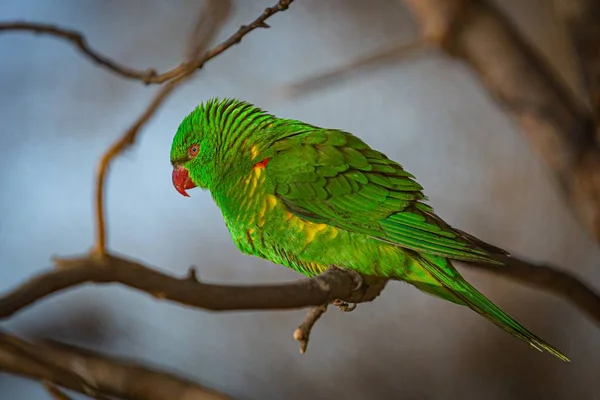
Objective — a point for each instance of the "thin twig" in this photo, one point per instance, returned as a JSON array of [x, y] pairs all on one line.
[[128, 138], [302, 332], [337, 75], [115, 149], [54, 391], [77, 39], [149, 76], [94, 374], [212, 16]]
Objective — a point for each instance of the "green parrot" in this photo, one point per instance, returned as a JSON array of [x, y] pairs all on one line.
[[310, 198]]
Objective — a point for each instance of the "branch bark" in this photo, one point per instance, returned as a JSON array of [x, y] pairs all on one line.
[[81, 43], [149, 76], [557, 127], [582, 20], [325, 288], [337, 75], [200, 38], [93, 374], [333, 284]]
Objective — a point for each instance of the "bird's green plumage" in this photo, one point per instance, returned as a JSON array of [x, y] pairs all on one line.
[[308, 198]]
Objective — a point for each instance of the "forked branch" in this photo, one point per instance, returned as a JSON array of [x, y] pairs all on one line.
[[177, 77]]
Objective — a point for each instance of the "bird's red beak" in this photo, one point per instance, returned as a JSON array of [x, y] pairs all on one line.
[[182, 181]]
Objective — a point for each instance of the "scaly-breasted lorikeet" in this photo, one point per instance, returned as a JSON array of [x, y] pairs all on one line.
[[310, 198]]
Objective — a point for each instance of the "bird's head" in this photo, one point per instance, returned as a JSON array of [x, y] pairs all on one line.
[[214, 140], [192, 152]]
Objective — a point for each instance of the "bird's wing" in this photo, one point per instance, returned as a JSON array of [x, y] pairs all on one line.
[[332, 177]]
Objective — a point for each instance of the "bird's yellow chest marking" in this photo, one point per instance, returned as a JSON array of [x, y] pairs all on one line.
[[310, 229]]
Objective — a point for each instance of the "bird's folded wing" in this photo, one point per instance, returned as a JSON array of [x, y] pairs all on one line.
[[332, 177]]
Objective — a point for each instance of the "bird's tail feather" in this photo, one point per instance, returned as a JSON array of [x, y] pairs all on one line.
[[450, 279]]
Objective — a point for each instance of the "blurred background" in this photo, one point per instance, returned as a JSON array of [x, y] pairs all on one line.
[[59, 112]]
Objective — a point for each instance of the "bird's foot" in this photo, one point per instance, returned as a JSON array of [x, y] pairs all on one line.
[[344, 306], [357, 279]]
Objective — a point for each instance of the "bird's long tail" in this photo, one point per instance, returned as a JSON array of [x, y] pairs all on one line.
[[442, 271]]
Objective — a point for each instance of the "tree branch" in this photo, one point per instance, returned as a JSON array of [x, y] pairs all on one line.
[[79, 41], [149, 76], [582, 20], [302, 332], [72, 272], [338, 75], [549, 279], [557, 127], [183, 73], [325, 288], [93, 374], [55, 392]]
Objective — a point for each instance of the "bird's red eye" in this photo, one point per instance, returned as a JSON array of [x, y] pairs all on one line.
[[193, 150]]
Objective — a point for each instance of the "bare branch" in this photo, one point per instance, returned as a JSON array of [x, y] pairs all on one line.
[[149, 76], [550, 279], [325, 288], [55, 392], [340, 74], [302, 333], [559, 128], [110, 269], [176, 79], [212, 16], [582, 19], [91, 373], [80, 42]]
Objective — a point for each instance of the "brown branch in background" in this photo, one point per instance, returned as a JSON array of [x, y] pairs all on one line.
[[149, 76], [302, 332], [93, 374], [80, 42], [115, 149], [582, 20], [338, 75], [130, 135], [550, 279], [557, 127], [212, 16], [55, 392]]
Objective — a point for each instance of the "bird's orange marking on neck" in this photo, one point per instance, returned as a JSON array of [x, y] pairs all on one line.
[[262, 164]]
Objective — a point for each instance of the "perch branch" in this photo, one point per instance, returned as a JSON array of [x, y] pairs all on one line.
[[128, 138], [302, 332], [91, 373], [557, 127], [325, 288], [582, 20], [68, 273]]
